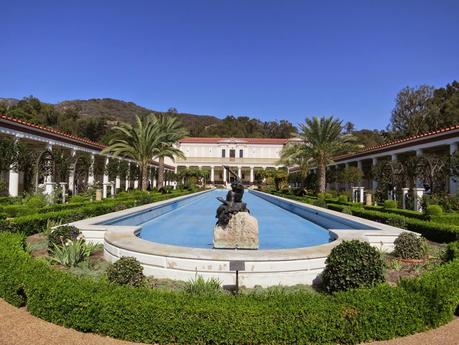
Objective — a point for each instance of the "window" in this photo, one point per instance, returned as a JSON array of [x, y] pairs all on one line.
[[223, 153], [232, 153], [241, 153]]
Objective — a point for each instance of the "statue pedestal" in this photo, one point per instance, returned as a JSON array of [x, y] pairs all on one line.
[[240, 233]]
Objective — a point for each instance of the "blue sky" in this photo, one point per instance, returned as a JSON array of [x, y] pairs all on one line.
[[267, 59]]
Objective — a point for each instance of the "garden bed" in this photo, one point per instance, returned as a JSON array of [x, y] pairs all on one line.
[[156, 316]]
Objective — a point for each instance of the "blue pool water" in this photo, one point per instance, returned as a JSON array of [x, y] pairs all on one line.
[[190, 223]]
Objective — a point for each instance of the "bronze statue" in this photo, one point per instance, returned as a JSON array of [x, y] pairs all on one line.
[[233, 203]]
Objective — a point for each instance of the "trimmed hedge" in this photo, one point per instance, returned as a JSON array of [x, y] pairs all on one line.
[[35, 223], [399, 211], [152, 316], [432, 230], [446, 218]]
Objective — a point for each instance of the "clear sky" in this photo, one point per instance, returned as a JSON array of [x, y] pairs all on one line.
[[267, 59]]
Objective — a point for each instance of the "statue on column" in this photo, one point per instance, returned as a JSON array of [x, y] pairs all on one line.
[[233, 202], [235, 228]]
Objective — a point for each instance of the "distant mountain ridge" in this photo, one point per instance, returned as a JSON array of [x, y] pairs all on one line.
[[93, 118]]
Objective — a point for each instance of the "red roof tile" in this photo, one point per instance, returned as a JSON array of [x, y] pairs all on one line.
[[53, 131], [394, 143]]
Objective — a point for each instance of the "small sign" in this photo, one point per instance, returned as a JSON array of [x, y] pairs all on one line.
[[237, 265]]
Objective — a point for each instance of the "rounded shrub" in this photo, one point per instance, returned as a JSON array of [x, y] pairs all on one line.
[[390, 204], [343, 198], [347, 210], [452, 251], [434, 210], [352, 264], [409, 246], [399, 222], [320, 203], [63, 234], [126, 271]]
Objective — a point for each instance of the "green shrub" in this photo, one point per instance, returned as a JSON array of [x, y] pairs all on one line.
[[320, 203], [390, 204], [202, 287], [343, 198], [352, 264], [346, 210], [452, 251], [409, 246], [152, 316], [433, 210], [448, 218], [398, 222], [126, 271], [62, 234]]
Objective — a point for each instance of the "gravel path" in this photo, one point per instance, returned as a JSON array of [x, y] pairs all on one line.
[[18, 327]]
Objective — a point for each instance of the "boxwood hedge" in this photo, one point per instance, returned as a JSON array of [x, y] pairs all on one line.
[[153, 316], [32, 224]]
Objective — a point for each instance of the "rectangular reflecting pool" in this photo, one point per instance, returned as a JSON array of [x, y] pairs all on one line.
[[189, 222]]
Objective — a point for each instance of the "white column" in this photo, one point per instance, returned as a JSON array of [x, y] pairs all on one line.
[[72, 174], [49, 184], [136, 182], [252, 175], [13, 184], [453, 185], [239, 172], [224, 175], [361, 194], [212, 174], [374, 161], [105, 182], [118, 178], [126, 187], [91, 172]]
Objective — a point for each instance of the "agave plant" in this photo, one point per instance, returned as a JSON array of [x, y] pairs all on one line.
[[71, 253]]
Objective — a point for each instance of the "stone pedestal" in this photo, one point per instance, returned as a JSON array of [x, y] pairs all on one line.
[[98, 194], [240, 233], [369, 199]]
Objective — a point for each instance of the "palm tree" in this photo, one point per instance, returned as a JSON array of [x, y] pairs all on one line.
[[323, 139], [140, 142], [296, 155], [172, 132]]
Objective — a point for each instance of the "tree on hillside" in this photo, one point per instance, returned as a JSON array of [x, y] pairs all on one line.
[[412, 111], [323, 138], [445, 102]]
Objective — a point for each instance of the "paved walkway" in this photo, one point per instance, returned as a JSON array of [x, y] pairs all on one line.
[[18, 327]]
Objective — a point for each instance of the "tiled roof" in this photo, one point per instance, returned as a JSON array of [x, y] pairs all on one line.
[[395, 143], [208, 140], [53, 131]]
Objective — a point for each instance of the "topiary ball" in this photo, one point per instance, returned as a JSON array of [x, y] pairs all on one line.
[[390, 204], [409, 246], [352, 264], [60, 235], [434, 210], [126, 271]]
